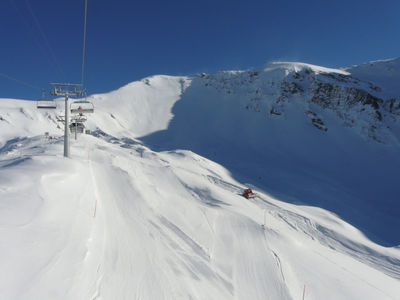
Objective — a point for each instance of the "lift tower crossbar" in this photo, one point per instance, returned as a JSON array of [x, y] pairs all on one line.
[[67, 90]]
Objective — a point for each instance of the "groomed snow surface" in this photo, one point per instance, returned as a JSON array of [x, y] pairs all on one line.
[[122, 219]]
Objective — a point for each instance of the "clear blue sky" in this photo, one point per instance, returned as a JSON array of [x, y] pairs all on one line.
[[41, 40]]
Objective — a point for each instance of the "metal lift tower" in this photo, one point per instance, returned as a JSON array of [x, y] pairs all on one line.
[[66, 90]]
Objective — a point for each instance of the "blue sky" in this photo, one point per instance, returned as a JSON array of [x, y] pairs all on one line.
[[128, 40]]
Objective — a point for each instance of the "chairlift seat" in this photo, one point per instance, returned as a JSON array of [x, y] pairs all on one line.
[[82, 107], [46, 104]]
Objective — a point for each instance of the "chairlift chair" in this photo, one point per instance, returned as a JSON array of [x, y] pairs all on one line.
[[46, 103], [82, 107], [76, 126]]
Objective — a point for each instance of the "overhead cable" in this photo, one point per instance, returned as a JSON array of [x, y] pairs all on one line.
[[20, 81], [28, 28], [84, 43], [53, 56]]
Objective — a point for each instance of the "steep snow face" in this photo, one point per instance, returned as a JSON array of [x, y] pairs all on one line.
[[138, 108]]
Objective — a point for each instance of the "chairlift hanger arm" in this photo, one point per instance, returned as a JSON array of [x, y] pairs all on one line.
[[67, 89]]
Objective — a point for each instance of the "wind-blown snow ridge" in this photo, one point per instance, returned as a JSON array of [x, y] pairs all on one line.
[[299, 66]]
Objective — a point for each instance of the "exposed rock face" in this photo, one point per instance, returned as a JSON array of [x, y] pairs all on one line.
[[316, 121], [393, 106], [346, 99], [356, 103]]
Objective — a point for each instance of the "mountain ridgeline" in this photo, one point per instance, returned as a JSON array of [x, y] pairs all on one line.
[[357, 103]]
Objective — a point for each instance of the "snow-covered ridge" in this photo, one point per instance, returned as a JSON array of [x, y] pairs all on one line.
[[359, 104]]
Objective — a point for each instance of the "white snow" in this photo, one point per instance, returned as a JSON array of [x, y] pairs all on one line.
[[298, 66], [123, 220], [139, 108]]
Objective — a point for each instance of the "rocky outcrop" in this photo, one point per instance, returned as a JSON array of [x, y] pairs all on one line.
[[316, 120], [393, 106], [354, 101]]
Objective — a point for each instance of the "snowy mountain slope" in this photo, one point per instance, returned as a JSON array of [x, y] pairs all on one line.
[[124, 220], [170, 225], [305, 136]]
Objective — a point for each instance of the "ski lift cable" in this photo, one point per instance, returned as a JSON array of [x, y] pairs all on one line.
[[53, 56], [36, 39], [20, 81], [28, 29], [49, 47], [84, 44]]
